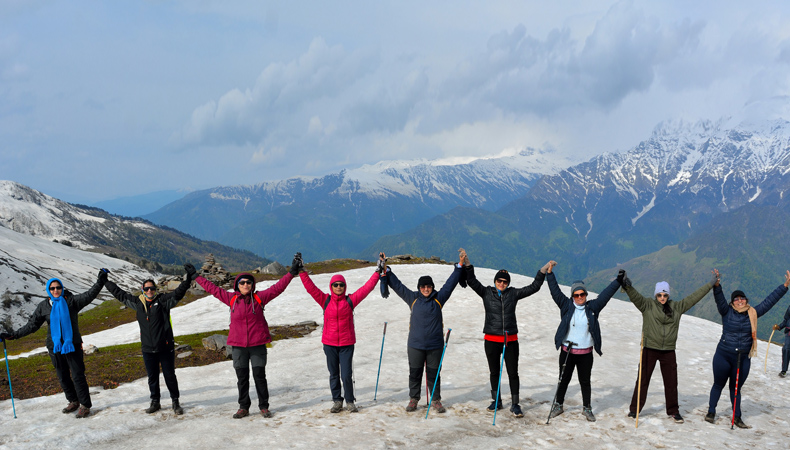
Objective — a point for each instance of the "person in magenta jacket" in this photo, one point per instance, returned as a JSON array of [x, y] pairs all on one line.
[[248, 333], [338, 334]]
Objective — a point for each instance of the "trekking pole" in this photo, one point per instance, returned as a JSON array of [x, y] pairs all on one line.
[[766, 351], [380, 356], [8, 371], [562, 372], [735, 398], [501, 368], [639, 378], [438, 372]]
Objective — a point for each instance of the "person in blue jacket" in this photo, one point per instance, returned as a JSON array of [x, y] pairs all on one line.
[[739, 336], [426, 331], [785, 327], [578, 325]]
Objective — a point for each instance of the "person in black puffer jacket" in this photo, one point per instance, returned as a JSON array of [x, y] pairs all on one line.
[[500, 303], [738, 337], [156, 333], [426, 329], [60, 311]]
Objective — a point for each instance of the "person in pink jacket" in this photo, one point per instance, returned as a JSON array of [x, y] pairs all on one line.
[[248, 334], [338, 335]]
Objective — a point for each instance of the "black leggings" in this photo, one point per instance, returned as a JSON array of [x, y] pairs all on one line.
[[494, 354], [583, 364]]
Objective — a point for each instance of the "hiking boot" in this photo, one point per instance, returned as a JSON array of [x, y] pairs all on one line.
[[85, 411], [783, 374], [337, 406], [155, 406], [739, 423], [351, 407], [241, 413], [588, 414], [437, 406], [177, 407], [71, 407], [677, 418], [516, 411], [556, 410], [710, 417], [494, 405], [632, 415], [412, 406], [266, 413]]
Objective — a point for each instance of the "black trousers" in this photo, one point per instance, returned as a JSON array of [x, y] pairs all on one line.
[[429, 361], [494, 354], [583, 365], [669, 372], [243, 357], [167, 360], [71, 374], [339, 361]]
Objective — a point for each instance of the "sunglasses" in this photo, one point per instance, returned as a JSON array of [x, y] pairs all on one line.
[[338, 285], [501, 281], [243, 282], [739, 299], [56, 288], [662, 295], [582, 295], [149, 288]]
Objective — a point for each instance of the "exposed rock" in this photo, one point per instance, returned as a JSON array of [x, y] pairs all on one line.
[[183, 348], [183, 355], [275, 268], [122, 307], [89, 349], [215, 342]]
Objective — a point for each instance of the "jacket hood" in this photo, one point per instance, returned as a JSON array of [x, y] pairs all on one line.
[[335, 279], [239, 277], [50, 292]]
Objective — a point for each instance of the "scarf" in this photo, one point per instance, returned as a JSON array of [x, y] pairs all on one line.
[[60, 322], [753, 320]]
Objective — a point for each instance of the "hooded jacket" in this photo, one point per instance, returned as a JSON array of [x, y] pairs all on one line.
[[501, 309], [248, 326], [426, 324], [592, 309], [338, 316], [736, 330], [659, 330], [785, 324], [75, 303], [153, 316]]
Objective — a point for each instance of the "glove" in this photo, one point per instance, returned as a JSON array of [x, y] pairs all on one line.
[[380, 265], [623, 279], [545, 268], [297, 264], [102, 278], [191, 272], [4, 336]]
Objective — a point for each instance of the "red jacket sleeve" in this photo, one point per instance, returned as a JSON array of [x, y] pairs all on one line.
[[276, 289], [313, 290], [361, 293], [221, 294]]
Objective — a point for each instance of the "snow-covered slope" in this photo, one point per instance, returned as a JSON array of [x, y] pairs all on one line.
[[300, 398], [27, 262]]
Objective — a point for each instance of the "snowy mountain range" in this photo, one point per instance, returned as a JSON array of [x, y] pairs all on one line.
[[300, 397], [342, 213]]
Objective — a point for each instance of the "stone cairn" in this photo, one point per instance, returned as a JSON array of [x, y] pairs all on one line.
[[211, 271]]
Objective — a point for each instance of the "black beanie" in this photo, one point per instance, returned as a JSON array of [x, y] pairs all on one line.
[[738, 294], [425, 281], [245, 276], [502, 275]]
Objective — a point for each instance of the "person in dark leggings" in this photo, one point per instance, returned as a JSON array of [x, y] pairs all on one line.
[[578, 325], [156, 334], [738, 338], [500, 325], [785, 327], [64, 342], [426, 331]]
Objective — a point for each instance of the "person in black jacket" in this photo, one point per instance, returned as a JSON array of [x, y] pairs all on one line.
[[579, 329], [426, 330], [156, 334], [500, 302], [64, 342], [785, 327]]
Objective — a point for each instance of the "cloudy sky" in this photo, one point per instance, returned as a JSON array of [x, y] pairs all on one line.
[[106, 99]]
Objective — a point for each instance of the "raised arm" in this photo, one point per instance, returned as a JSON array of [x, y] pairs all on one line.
[[444, 293], [533, 287], [556, 294], [80, 301], [312, 289], [406, 294], [276, 289], [219, 293], [122, 296], [365, 290], [639, 300], [773, 298], [171, 299], [471, 280], [33, 324], [691, 300], [603, 298]]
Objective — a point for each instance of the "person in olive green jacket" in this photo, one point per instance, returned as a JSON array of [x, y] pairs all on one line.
[[660, 323]]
